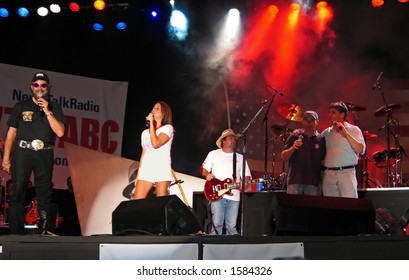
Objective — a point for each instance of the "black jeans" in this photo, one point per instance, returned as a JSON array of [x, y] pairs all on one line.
[[23, 162]]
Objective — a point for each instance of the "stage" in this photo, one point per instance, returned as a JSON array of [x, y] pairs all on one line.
[[371, 247], [259, 241]]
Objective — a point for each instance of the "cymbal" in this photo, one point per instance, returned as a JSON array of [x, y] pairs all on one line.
[[384, 110], [279, 129], [355, 107], [291, 112], [369, 136]]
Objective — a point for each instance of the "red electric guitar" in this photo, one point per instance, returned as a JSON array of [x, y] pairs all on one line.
[[215, 189], [32, 213]]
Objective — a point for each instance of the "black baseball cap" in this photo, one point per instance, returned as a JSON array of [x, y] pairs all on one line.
[[40, 76]]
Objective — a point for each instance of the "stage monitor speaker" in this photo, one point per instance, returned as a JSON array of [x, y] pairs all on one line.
[[166, 215], [318, 215]]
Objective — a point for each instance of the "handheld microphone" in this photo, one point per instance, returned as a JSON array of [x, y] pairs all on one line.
[[148, 122], [378, 81], [300, 137], [40, 95]]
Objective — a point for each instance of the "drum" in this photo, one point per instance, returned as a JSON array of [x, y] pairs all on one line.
[[280, 182], [379, 157]]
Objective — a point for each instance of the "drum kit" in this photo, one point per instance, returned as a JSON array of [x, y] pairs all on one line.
[[291, 112], [382, 159]]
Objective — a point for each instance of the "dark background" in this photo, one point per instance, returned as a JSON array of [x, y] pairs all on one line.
[[368, 40]]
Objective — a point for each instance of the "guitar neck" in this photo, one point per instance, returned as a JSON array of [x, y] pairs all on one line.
[[237, 185]]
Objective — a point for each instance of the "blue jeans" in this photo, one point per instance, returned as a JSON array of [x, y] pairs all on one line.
[[225, 211], [302, 189]]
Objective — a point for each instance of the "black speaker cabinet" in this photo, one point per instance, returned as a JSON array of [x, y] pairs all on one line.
[[318, 215], [166, 215], [256, 215]]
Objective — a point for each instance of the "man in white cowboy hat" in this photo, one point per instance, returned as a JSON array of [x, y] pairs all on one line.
[[219, 165]]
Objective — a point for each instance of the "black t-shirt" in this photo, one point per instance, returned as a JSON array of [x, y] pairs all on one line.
[[32, 123]]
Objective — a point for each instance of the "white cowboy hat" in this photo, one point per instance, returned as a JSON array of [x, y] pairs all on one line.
[[224, 134]]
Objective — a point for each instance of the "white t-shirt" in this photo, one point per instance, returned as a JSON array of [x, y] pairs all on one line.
[[156, 163], [220, 164]]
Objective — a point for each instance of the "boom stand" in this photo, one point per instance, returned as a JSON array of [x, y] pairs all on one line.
[[265, 121]]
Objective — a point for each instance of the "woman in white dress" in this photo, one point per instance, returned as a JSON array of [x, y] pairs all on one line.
[[155, 162]]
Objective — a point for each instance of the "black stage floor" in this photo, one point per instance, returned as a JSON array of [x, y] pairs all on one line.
[[369, 247]]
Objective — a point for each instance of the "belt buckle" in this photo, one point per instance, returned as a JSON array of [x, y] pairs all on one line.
[[23, 144], [37, 144]]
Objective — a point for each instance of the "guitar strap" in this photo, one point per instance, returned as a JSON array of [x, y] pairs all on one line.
[[234, 166]]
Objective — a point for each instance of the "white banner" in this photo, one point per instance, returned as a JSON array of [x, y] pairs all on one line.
[[94, 110], [189, 251], [269, 251]]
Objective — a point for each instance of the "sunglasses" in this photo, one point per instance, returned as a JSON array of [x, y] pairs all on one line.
[[36, 85]]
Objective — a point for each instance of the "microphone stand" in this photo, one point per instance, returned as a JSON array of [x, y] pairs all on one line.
[[265, 121], [388, 131], [243, 169]]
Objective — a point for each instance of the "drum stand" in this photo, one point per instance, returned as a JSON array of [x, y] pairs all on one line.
[[394, 179], [278, 182], [395, 174], [366, 181]]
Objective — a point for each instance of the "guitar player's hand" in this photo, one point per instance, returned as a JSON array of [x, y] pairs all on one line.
[[209, 177]]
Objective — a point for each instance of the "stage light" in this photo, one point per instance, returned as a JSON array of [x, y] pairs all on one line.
[[232, 26], [42, 11], [403, 1], [121, 25], [178, 25], [4, 12], [97, 26], [23, 12], [154, 14], [99, 5], [55, 8], [74, 7], [377, 3]]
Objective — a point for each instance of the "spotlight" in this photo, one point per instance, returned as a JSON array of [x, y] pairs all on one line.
[[55, 8], [154, 14], [4, 12], [99, 5], [98, 26], [377, 3], [42, 11], [74, 7], [23, 12], [179, 25], [121, 25]]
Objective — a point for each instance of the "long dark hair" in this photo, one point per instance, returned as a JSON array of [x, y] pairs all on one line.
[[167, 113]]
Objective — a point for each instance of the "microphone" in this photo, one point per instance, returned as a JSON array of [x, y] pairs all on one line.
[[300, 137], [378, 81], [264, 101], [40, 95], [148, 122], [276, 91]]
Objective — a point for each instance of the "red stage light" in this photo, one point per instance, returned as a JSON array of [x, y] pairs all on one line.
[[377, 3], [74, 7]]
